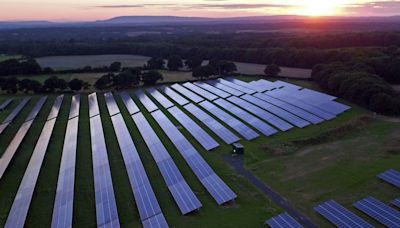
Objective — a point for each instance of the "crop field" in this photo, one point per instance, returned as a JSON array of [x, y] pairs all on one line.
[[73, 62], [337, 159]]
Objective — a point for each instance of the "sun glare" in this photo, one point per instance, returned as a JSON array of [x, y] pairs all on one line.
[[317, 8]]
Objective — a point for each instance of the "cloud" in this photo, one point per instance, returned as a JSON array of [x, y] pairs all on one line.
[[373, 8]]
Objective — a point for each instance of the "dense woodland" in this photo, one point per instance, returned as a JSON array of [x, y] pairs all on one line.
[[336, 57]]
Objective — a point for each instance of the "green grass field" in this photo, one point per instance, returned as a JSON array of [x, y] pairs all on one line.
[[337, 159]]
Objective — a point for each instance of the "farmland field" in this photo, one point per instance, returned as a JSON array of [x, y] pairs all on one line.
[[337, 160], [71, 62]]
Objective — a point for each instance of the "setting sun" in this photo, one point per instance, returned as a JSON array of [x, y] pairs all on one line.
[[320, 8]]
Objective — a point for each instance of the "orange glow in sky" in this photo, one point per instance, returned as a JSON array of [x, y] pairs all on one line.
[[73, 10]]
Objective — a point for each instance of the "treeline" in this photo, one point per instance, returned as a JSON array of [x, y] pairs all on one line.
[[358, 83], [53, 84]]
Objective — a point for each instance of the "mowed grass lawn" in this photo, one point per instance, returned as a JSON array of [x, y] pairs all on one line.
[[338, 159]]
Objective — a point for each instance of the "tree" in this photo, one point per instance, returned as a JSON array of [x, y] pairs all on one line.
[[381, 103], [10, 85], [27, 85], [115, 67], [193, 62], [174, 62], [151, 77], [155, 63], [226, 67], [272, 70], [203, 72], [75, 84], [104, 82], [54, 83], [125, 80]]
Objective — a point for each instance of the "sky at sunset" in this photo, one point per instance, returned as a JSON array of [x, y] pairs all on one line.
[[84, 10]]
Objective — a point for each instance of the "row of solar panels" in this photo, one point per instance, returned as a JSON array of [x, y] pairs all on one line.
[[342, 217]]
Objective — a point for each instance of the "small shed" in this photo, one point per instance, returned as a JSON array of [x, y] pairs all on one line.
[[238, 148]]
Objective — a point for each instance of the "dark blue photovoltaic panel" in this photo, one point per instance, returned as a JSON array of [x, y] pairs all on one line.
[[225, 88], [287, 85], [247, 117], [160, 98], [129, 103], [157, 221], [63, 205], [289, 117], [146, 101], [211, 123], [17, 109], [55, 108], [379, 211], [187, 93], [204, 93], [262, 83], [340, 216], [275, 121], [23, 130], [179, 189], [19, 210], [290, 108], [245, 84], [195, 130], [237, 87], [93, 107], [6, 103], [396, 202], [289, 97], [214, 185], [111, 104], [143, 193], [75, 104], [283, 220], [391, 176], [174, 95], [106, 208], [231, 121], [213, 89]]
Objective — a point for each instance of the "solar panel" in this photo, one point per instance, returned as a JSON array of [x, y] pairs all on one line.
[[23, 130], [146, 201], [267, 85], [13, 114], [214, 185], [379, 211], [391, 176], [129, 103], [174, 95], [6, 103], [75, 104], [187, 93], [237, 87], [244, 84], [289, 117], [149, 209], [180, 190], [290, 108], [396, 202], [213, 89], [146, 101], [106, 208], [283, 220], [275, 121], [111, 104], [160, 98], [56, 107], [63, 205], [93, 107], [225, 88], [22, 201], [288, 85], [206, 141], [204, 93], [247, 117], [229, 120], [289, 97], [340, 216], [226, 135]]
